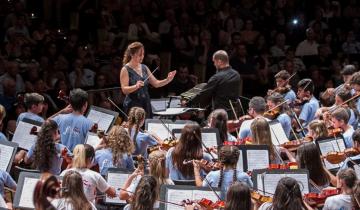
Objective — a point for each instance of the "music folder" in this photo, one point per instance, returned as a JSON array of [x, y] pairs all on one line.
[[117, 177], [103, 117], [331, 144], [278, 135], [164, 130], [7, 153], [25, 190], [22, 134]]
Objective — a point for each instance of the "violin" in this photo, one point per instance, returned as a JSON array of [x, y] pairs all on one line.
[[206, 164], [281, 90], [300, 102], [316, 199], [256, 196], [233, 125], [338, 157], [95, 129], [335, 132], [140, 162], [272, 114], [206, 203], [166, 145], [67, 157], [62, 96], [294, 144]]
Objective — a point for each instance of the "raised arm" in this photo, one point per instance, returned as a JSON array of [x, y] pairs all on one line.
[[124, 81], [159, 83]]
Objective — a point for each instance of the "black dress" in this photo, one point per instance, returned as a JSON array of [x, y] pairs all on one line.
[[141, 97]]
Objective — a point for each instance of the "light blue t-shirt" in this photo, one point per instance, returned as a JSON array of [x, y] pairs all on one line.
[[353, 120], [348, 137], [31, 116], [285, 122], [214, 176], [143, 140], [2, 137], [57, 160], [348, 159], [104, 158], [308, 111], [245, 130], [73, 129], [174, 173], [290, 95], [6, 180]]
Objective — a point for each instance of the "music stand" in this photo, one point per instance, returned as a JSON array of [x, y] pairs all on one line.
[[156, 126], [103, 117], [117, 177], [332, 144], [25, 190], [7, 153], [22, 134]]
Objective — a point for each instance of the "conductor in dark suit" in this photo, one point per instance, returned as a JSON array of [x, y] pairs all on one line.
[[221, 87]]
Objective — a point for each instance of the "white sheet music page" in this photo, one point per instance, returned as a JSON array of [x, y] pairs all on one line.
[[257, 159], [209, 139], [26, 198], [161, 131], [240, 163], [330, 146], [357, 170], [5, 156], [22, 135], [93, 140], [270, 181], [116, 180], [177, 196], [278, 135], [199, 194], [103, 120], [303, 181]]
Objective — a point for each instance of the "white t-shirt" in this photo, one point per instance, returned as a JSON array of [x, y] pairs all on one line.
[[337, 202], [64, 204], [91, 181]]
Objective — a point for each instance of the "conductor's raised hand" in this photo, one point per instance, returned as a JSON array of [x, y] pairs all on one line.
[[171, 75]]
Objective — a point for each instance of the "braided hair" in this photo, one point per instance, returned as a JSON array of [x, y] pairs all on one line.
[[229, 156], [45, 150], [136, 116], [146, 194]]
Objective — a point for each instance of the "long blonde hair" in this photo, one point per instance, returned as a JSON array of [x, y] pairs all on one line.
[[261, 134], [119, 142], [157, 166], [131, 50], [319, 128]]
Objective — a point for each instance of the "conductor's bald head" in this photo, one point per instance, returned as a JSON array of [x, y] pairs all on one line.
[[220, 59]]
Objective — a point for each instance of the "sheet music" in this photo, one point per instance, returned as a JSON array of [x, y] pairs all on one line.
[[161, 131], [5, 156], [240, 163], [158, 105], [22, 135], [116, 180], [257, 159], [175, 103], [278, 135], [209, 139], [177, 196], [271, 181], [26, 198], [103, 120], [330, 146], [92, 139]]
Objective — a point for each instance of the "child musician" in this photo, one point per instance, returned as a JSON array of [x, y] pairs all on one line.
[[141, 140], [308, 157], [287, 196], [45, 154], [145, 195], [92, 181], [274, 100], [116, 151], [228, 174], [218, 119], [317, 130], [72, 195], [340, 119], [282, 86], [74, 126], [157, 170], [188, 148], [356, 140], [310, 103], [346, 180], [257, 107], [34, 103]]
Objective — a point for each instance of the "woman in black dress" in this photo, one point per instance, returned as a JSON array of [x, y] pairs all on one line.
[[135, 78]]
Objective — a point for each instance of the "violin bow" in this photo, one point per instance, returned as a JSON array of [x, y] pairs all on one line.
[[241, 106], [232, 107], [278, 105], [167, 128], [275, 150], [331, 110], [118, 108], [212, 189]]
